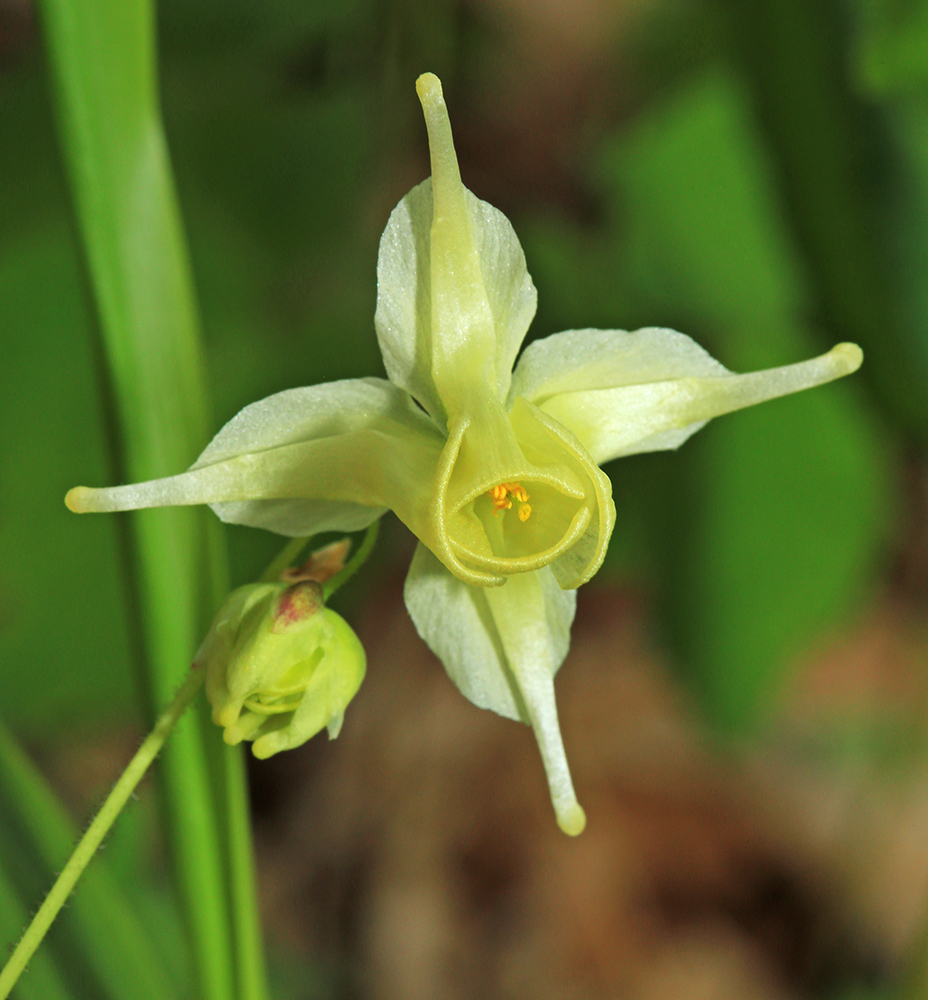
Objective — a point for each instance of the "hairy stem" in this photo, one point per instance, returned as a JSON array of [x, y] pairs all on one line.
[[98, 829]]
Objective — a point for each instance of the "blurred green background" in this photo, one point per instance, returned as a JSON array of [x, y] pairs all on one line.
[[754, 175]]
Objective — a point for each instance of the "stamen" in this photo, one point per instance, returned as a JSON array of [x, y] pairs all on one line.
[[500, 496]]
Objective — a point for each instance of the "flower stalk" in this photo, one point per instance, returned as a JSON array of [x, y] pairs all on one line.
[[334, 574], [89, 844]]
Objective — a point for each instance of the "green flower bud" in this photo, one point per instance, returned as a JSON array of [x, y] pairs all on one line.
[[280, 666]]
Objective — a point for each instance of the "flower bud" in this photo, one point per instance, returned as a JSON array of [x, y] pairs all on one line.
[[280, 666]]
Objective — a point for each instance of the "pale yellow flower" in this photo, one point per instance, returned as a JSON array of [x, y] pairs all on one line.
[[495, 470]]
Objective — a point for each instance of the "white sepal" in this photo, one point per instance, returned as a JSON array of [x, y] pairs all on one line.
[[323, 458], [579, 360], [623, 393], [502, 647], [454, 297]]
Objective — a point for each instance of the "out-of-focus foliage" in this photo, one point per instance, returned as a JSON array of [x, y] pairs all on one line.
[[892, 49], [63, 639], [755, 175], [100, 944], [767, 527], [778, 512], [293, 132]]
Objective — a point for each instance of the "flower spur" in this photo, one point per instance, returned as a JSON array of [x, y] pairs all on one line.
[[495, 470]]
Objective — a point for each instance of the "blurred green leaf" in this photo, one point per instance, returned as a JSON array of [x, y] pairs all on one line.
[[63, 640], [777, 514], [43, 981], [264, 148], [780, 543], [905, 223], [262, 28], [864, 993], [892, 46], [831, 166], [102, 62], [581, 276], [33, 190]]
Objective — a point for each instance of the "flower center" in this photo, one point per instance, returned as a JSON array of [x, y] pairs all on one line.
[[500, 496]]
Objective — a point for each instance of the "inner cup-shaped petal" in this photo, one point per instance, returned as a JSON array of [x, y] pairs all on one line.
[[539, 524], [515, 497]]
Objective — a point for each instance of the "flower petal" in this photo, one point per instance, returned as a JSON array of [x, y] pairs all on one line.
[[622, 393], [454, 298], [328, 457], [564, 514], [502, 647]]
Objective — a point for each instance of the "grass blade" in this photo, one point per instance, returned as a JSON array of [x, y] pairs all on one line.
[[102, 59]]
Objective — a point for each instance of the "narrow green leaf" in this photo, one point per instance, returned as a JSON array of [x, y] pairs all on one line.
[[103, 67]]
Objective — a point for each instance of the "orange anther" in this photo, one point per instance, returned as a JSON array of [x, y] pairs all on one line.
[[501, 493]]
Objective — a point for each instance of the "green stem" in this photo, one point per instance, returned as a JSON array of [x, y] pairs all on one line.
[[89, 844], [354, 563], [287, 557], [44, 981], [291, 551], [105, 937]]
